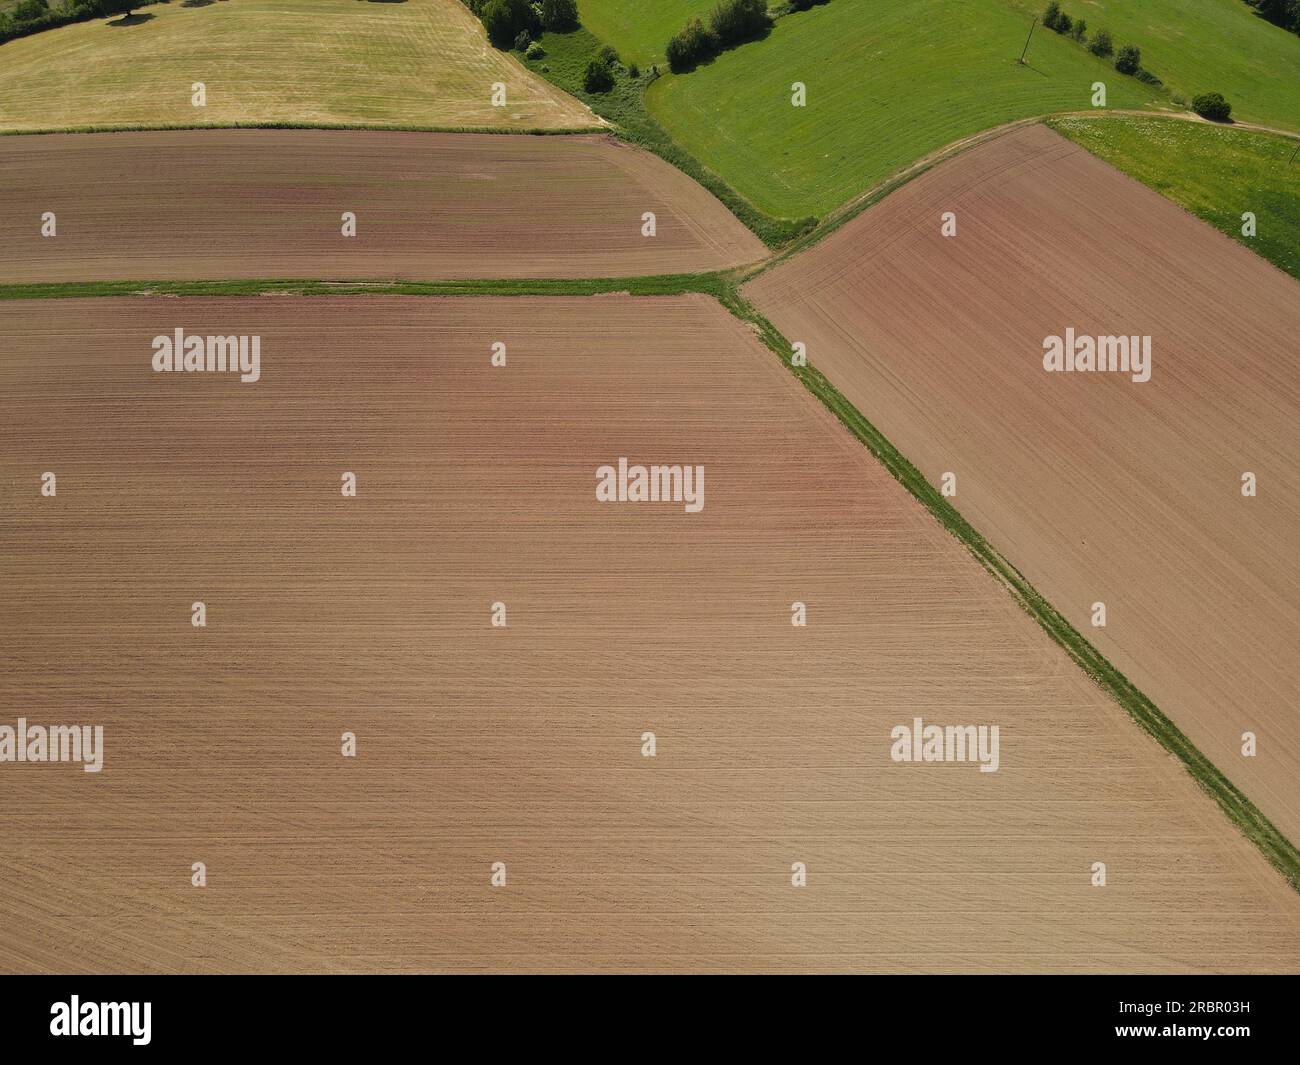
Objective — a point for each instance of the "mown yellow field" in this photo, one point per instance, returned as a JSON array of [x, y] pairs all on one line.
[[420, 63]]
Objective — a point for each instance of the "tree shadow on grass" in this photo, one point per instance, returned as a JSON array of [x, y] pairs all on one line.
[[133, 20]]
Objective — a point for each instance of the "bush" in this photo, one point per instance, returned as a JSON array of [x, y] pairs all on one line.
[[634, 71], [1052, 16], [535, 51], [734, 21], [598, 77], [1147, 78], [1129, 60], [559, 15], [608, 56], [1213, 106], [1080, 30], [504, 20], [691, 46], [523, 41], [1101, 44]]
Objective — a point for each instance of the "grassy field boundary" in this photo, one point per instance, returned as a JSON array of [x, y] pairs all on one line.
[[1280, 852], [713, 284], [387, 127]]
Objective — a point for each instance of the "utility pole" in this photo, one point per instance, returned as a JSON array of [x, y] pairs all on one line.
[[1021, 60]]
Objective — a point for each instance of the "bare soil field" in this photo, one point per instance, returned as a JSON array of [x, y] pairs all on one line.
[[217, 204], [523, 744], [1098, 488]]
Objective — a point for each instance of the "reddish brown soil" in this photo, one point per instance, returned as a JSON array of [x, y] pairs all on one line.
[[221, 204], [523, 744], [1096, 487]]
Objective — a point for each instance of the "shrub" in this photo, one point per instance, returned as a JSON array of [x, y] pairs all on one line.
[[634, 71], [598, 77], [608, 56], [1101, 44], [1129, 60], [733, 21], [560, 15], [1080, 30], [1052, 16], [1213, 106], [692, 45], [522, 41], [535, 51], [1147, 78]]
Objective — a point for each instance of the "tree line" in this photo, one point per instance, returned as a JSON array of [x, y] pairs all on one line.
[[731, 23], [1284, 13], [1128, 60], [31, 16]]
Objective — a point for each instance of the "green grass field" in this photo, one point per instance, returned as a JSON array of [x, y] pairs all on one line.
[[1206, 46], [1215, 172], [888, 82], [341, 62], [639, 29]]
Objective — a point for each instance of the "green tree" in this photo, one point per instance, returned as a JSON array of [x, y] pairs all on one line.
[[114, 7], [1129, 60], [691, 46], [733, 21], [504, 20], [1101, 44], [560, 15], [28, 10]]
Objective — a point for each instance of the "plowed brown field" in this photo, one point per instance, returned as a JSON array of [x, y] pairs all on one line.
[[1097, 488], [218, 204], [523, 744]]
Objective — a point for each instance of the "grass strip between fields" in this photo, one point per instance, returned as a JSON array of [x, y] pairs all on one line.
[[724, 286], [713, 284]]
